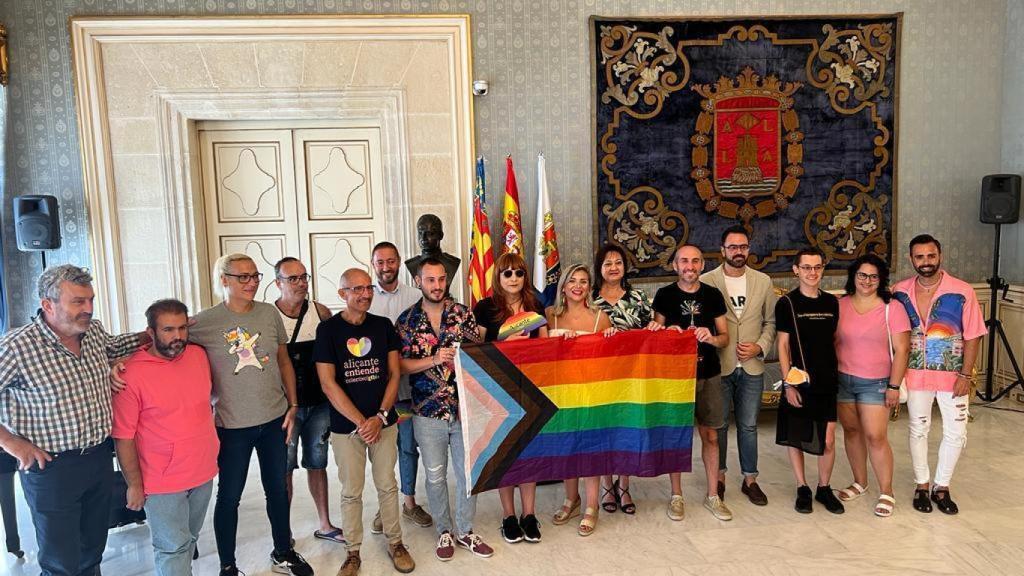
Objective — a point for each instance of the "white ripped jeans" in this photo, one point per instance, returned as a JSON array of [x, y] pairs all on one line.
[[954, 433]]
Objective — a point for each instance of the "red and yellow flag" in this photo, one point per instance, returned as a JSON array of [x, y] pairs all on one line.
[[481, 257], [511, 224]]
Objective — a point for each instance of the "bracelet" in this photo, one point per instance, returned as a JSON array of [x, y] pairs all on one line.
[[383, 418], [293, 405], [891, 387], [965, 376]]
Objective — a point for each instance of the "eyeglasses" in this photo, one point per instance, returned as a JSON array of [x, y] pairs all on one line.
[[295, 279], [519, 272], [359, 289], [867, 277], [806, 268], [246, 278], [738, 247]]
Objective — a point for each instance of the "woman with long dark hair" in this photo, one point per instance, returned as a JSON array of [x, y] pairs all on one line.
[[873, 345], [513, 295]]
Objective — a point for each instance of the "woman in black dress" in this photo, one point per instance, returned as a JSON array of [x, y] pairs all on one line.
[[807, 319], [513, 294]]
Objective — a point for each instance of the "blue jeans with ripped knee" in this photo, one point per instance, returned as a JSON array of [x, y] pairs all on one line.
[[435, 438]]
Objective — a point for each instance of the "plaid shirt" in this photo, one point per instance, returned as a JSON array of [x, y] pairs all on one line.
[[434, 394], [49, 396]]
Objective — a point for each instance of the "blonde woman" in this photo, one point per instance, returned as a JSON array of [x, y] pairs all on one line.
[[575, 314]]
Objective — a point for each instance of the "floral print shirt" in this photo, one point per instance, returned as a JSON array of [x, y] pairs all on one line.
[[632, 311], [434, 394]]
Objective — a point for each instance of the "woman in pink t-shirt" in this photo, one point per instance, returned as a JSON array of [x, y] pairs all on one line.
[[872, 344]]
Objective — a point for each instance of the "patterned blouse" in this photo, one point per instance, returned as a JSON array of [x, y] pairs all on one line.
[[632, 311], [434, 394]]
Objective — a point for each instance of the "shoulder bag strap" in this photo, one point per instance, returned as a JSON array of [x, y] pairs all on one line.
[[796, 330], [298, 323], [888, 332]]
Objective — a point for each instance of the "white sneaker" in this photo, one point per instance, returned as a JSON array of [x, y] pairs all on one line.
[[676, 508], [718, 508]]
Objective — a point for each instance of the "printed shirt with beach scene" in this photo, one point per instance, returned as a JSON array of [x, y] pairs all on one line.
[[937, 345]]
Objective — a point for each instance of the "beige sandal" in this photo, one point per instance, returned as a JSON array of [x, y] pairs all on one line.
[[885, 506], [851, 492], [588, 523], [570, 509]]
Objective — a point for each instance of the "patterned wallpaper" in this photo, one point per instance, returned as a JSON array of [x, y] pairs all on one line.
[[535, 55], [1012, 251]]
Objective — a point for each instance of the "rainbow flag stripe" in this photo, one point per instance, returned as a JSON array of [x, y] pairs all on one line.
[[551, 409]]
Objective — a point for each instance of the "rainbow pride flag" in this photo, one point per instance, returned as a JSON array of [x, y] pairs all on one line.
[[554, 408]]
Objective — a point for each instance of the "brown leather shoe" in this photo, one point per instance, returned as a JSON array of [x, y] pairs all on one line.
[[754, 493], [401, 558], [351, 565]]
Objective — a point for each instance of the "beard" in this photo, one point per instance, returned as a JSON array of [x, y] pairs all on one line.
[[737, 261], [171, 349], [927, 270], [387, 276], [434, 299]]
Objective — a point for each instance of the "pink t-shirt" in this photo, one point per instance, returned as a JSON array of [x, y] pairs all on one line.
[[166, 409], [862, 343], [937, 338]]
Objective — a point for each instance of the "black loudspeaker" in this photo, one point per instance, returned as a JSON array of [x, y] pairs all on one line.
[[1000, 198], [36, 226]]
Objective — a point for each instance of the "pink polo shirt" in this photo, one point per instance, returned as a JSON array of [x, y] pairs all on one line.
[[937, 338], [862, 344], [166, 409]]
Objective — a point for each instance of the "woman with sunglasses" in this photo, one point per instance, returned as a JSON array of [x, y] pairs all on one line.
[[575, 314], [873, 346], [513, 294], [628, 308]]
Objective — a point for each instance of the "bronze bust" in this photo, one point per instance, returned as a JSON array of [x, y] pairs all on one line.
[[430, 233]]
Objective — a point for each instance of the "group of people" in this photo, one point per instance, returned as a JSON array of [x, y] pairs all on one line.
[[377, 381]]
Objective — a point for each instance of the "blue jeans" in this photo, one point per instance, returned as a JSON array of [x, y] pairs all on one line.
[[743, 392], [70, 504], [236, 446], [408, 451], [174, 522], [435, 437], [312, 427]]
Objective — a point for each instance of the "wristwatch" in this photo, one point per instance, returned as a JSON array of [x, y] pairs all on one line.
[[383, 415]]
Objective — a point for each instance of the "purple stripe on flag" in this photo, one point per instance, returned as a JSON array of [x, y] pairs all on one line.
[[646, 464]]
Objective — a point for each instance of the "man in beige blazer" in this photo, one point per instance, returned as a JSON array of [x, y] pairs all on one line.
[[750, 315]]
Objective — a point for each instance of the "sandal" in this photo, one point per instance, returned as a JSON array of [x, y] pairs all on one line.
[[944, 502], [336, 536], [851, 492], [588, 523], [629, 508], [921, 502], [613, 491], [570, 509], [884, 506]]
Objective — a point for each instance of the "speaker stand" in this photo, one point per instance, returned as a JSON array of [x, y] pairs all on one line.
[[42, 256], [995, 328]]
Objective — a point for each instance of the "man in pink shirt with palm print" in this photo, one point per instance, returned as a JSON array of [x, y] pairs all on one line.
[[946, 327], [166, 441]]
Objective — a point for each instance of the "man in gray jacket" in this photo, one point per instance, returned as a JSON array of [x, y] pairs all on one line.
[[750, 315]]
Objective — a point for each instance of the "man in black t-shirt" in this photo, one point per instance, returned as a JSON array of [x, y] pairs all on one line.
[[689, 304], [357, 360]]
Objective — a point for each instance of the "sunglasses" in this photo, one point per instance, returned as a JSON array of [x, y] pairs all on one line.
[[519, 273]]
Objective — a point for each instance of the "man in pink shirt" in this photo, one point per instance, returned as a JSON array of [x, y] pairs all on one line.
[[166, 441], [946, 327]]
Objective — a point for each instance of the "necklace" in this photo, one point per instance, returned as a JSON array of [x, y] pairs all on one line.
[[928, 287]]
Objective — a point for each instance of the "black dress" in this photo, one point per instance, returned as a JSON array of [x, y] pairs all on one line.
[[817, 319], [489, 316]]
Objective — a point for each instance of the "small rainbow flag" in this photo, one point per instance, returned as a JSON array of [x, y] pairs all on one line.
[[551, 409]]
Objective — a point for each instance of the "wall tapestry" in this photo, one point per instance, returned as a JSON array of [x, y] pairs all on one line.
[[786, 126]]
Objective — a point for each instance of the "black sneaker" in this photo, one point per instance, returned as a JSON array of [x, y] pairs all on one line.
[[804, 500], [511, 531], [825, 495], [231, 570], [531, 528], [290, 563]]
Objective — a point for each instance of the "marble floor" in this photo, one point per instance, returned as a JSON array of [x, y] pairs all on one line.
[[985, 538]]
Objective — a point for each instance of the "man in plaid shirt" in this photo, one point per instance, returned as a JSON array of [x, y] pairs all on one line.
[[55, 419]]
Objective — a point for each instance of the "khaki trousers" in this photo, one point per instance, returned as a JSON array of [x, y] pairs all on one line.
[[350, 453]]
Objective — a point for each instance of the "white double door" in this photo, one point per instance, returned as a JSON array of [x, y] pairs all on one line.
[[312, 193]]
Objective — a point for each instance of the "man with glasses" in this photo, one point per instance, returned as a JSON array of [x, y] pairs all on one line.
[[750, 316], [301, 316], [946, 327], [357, 359], [391, 298], [254, 403]]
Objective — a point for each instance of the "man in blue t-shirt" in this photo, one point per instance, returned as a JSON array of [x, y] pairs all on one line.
[[357, 360]]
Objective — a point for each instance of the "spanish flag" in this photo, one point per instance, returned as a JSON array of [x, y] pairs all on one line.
[[554, 408], [511, 224], [481, 257]]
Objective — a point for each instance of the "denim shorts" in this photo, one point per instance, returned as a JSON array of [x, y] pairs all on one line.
[[862, 390], [312, 426]]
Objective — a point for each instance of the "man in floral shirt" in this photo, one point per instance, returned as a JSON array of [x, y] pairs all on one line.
[[429, 331]]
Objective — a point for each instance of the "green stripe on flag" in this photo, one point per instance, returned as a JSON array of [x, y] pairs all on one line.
[[621, 415]]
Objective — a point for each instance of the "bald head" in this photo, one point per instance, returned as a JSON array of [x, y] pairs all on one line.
[[353, 277], [356, 289]]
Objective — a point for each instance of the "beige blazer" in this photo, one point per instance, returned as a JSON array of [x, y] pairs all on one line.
[[757, 323]]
